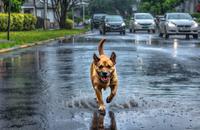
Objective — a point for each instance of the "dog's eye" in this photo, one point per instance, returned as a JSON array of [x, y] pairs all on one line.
[[109, 66], [101, 66]]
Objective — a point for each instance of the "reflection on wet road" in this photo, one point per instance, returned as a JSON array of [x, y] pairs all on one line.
[[48, 87]]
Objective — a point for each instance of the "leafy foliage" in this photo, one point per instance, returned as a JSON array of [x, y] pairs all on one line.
[[122, 7], [159, 6], [15, 5], [69, 24], [18, 22]]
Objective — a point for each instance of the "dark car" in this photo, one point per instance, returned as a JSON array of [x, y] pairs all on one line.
[[96, 20], [113, 23]]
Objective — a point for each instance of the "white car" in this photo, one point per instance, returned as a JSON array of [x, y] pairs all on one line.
[[142, 22], [178, 24]]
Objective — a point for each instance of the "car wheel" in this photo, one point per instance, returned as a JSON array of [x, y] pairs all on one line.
[[104, 32], [195, 36], [124, 32], [154, 31], [100, 32], [187, 36], [166, 35], [130, 30], [148, 31], [160, 34]]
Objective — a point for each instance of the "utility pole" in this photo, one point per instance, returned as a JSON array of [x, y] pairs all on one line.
[[83, 12], [8, 33], [45, 14], [73, 15]]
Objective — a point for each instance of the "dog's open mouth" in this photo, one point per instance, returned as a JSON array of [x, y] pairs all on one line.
[[104, 79]]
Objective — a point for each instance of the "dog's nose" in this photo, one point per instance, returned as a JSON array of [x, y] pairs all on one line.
[[105, 74]]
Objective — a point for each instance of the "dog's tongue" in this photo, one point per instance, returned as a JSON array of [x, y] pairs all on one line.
[[104, 78]]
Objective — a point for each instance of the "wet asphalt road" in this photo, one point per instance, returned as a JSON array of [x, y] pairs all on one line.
[[48, 87]]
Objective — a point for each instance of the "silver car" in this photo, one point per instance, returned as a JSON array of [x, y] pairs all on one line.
[[143, 22], [178, 24]]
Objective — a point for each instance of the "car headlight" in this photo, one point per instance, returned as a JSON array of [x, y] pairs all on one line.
[[135, 22], [195, 25], [153, 23], [108, 25], [123, 24], [170, 24]]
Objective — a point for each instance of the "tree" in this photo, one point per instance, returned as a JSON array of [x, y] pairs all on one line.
[[61, 7], [15, 5], [159, 6], [122, 7]]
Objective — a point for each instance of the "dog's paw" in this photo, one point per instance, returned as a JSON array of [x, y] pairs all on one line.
[[102, 107], [102, 110], [108, 100]]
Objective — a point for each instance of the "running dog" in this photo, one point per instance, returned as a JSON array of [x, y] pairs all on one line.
[[103, 74]]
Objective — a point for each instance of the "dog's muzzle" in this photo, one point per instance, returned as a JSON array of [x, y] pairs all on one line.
[[104, 76]]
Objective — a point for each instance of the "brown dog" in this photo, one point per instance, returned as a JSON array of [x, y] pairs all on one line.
[[103, 74]]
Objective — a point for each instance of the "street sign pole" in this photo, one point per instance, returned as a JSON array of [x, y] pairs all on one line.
[[9, 8], [45, 14]]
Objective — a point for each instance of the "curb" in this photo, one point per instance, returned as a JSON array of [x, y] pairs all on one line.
[[35, 44]]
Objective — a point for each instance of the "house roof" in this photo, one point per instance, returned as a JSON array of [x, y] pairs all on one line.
[[38, 4]]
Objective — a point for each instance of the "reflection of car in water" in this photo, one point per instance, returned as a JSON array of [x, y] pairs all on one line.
[[143, 22], [96, 20], [178, 24], [113, 23]]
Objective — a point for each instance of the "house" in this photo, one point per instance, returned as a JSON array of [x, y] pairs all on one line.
[[1, 6], [36, 7]]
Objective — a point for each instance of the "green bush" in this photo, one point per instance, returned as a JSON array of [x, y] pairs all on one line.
[[69, 24], [197, 16], [29, 22], [18, 22]]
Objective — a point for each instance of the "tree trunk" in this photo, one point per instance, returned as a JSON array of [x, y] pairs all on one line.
[[62, 21]]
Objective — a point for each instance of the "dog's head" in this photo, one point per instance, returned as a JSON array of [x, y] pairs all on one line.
[[105, 66]]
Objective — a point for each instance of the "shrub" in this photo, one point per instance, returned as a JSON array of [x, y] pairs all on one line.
[[69, 24], [29, 22], [197, 16], [18, 22]]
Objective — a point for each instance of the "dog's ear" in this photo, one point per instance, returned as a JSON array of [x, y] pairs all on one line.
[[113, 58], [96, 58]]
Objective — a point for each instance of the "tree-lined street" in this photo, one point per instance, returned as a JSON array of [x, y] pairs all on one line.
[[48, 87], [45, 64]]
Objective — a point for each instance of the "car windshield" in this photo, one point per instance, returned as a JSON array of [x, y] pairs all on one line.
[[98, 16], [179, 16], [114, 19], [143, 16]]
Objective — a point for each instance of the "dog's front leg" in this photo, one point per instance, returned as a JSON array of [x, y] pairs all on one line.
[[113, 93], [100, 99]]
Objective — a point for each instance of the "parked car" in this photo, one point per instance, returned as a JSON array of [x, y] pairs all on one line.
[[113, 23], [178, 24], [96, 20], [142, 22]]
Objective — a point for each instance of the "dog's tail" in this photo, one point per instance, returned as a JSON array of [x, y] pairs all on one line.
[[100, 48]]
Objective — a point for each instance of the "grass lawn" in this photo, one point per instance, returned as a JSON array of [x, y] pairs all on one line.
[[25, 37]]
